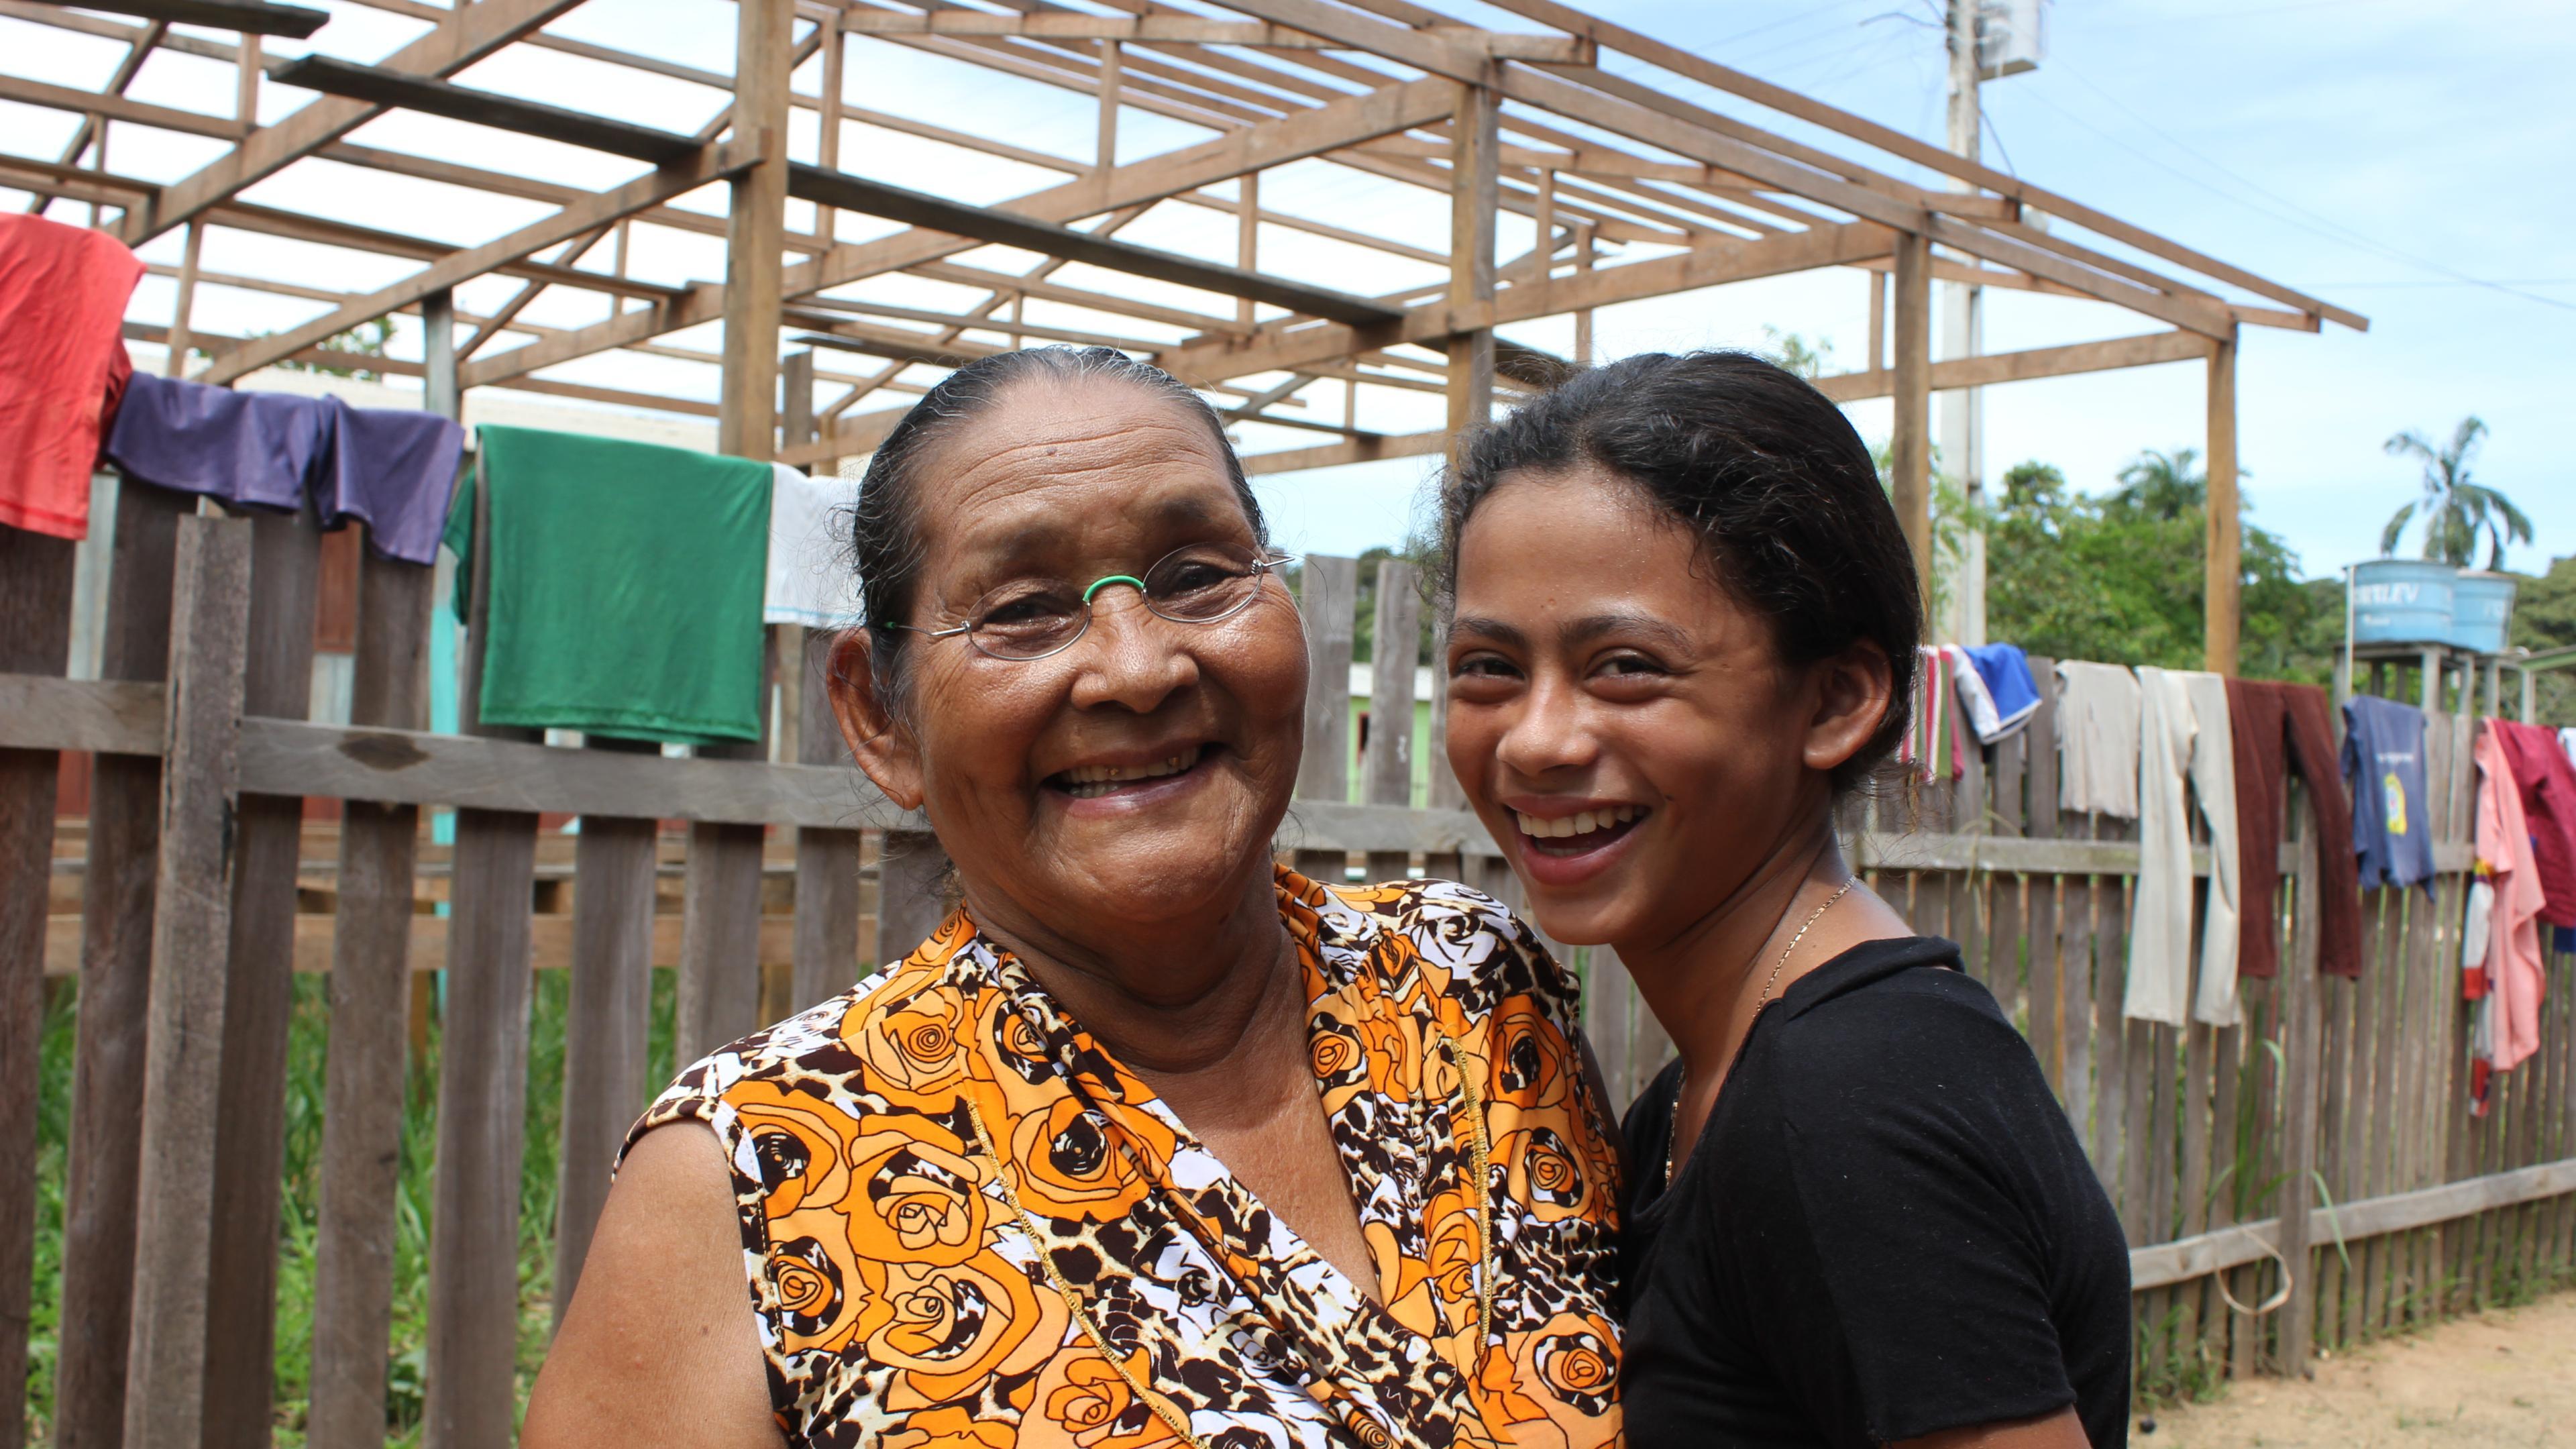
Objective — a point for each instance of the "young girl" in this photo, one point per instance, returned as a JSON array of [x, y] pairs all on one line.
[[1683, 622]]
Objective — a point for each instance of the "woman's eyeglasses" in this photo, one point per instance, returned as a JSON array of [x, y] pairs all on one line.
[[1033, 618]]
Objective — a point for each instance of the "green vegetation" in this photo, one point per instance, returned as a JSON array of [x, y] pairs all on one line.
[[2119, 578], [2456, 510], [307, 1042]]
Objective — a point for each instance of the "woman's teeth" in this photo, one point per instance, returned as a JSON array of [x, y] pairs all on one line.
[[1582, 822], [1085, 782]]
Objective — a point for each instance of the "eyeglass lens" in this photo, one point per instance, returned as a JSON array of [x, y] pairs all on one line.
[[1197, 584]]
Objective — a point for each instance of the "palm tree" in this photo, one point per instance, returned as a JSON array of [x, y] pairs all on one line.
[[2163, 485], [2455, 510]]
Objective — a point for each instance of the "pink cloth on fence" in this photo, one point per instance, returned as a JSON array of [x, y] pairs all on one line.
[[2515, 977]]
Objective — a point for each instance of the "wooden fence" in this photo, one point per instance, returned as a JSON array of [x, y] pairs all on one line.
[[2328, 1133]]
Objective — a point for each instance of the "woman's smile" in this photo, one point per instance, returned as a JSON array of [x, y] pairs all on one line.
[[1565, 841], [1133, 782]]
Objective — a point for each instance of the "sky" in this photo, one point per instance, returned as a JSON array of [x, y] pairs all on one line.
[[2406, 159]]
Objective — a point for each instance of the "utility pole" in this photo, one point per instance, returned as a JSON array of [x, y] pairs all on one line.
[[1962, 411]]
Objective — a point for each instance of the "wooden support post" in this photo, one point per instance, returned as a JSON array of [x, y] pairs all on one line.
[[471, 1395], [363, 1077], [246, 84], [607, 1020], [828, 148], [1247, 236], [1877, 322], [1389, 773], [1544, 215], [1445, 793], [719, 985], [1113, 58], [1331, 593], [115, 983], [176, 365], [2301, 1071], [1475, 193], [1910, 444], [2222, 618], [909, 866], [250, 1118], [35, 638], [826, 950], [175, 1187], [1583, 343]]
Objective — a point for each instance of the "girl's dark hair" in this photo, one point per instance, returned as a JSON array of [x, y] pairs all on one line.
[[1764, 469], [885, 527]]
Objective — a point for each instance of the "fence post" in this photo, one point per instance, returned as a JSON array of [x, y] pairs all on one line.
[[175, 1187], [1388, 779], [1330, 590], [35, 638], [250, 1125], [827, 861], [115, 982], [2299, 1096]]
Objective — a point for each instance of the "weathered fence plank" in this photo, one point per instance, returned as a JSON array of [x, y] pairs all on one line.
[[826, 952], [184, 1015], [1387, 777], [1328, 595]]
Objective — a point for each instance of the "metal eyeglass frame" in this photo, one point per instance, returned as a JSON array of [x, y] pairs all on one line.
[[1263, 562]]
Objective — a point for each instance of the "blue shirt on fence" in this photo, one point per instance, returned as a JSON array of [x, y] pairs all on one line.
[[2383, 759]]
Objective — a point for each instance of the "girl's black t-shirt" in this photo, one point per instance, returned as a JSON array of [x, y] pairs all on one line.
[[1888, 1229]]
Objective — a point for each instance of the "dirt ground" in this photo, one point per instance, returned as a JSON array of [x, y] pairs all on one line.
[[2505, 1378]]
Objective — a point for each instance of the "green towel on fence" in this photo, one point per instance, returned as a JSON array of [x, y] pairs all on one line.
[[626, 586]]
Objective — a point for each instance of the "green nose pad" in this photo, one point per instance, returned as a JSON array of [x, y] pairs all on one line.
[[1112, 579]]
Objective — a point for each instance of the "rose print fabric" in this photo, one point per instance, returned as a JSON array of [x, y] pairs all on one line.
[[967, 1226]]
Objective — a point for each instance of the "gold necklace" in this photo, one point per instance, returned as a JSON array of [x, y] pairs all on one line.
[[1672, 1129], [1479, 1155]]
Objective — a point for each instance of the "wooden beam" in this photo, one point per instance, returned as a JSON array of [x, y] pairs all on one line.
[[380, 86], [1711, 264], [1476, 136], [1335, 455], [1385, 111], [660, 185], [2167, 1264], [469, 35], [1897, 143], [1175, 29], [1003, 228], [2222, 618], [235, 15], [114, 108], [2038, 362], [1910, 445]]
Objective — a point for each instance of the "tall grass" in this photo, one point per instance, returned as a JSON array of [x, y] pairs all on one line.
[[308, 1043]]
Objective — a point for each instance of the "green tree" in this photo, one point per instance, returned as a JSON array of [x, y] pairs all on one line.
[[2455, 508], [2119, 579], [1795, 353]]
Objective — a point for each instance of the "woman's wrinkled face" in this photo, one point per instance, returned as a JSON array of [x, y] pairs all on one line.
[[1623, 725], [1136, 775]]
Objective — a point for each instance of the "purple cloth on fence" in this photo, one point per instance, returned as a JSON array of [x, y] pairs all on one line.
[[391, 469], [396, 473], [256, 448]]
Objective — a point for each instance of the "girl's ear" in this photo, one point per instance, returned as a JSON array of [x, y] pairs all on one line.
[[877, 737], [1852, 694]]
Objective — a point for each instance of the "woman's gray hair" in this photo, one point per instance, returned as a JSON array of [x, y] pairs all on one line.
[[885, 527]]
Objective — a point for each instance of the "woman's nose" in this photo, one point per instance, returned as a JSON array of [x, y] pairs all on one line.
[[1546, 733], [1128, 656]]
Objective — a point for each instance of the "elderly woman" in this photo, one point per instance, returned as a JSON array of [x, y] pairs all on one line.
[[1152, 1142]]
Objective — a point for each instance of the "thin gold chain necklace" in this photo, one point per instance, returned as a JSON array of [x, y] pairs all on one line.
[[1673, 1129]]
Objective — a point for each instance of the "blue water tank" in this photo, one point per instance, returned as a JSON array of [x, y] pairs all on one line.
[[2402, 601], [2481, 611]]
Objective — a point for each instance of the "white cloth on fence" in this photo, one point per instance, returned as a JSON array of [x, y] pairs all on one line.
[[2097, 739], [2474, 930], [2185, 733], [810, 580]]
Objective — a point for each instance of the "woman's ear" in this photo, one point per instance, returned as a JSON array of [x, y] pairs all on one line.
[[1852, 694], [878, 740]]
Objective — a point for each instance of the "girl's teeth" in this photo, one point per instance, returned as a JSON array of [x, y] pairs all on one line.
[[1582, 822]]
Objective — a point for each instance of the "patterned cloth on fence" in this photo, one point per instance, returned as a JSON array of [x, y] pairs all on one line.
[[904, 1153], [2280, 728], [2383, 758], [1995, 688], [2515, 977], [2185, 730]]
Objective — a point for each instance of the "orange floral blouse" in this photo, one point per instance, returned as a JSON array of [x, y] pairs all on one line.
[[966, 1226]]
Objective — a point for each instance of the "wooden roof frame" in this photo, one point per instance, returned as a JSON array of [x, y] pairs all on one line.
[[1526, 122]]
